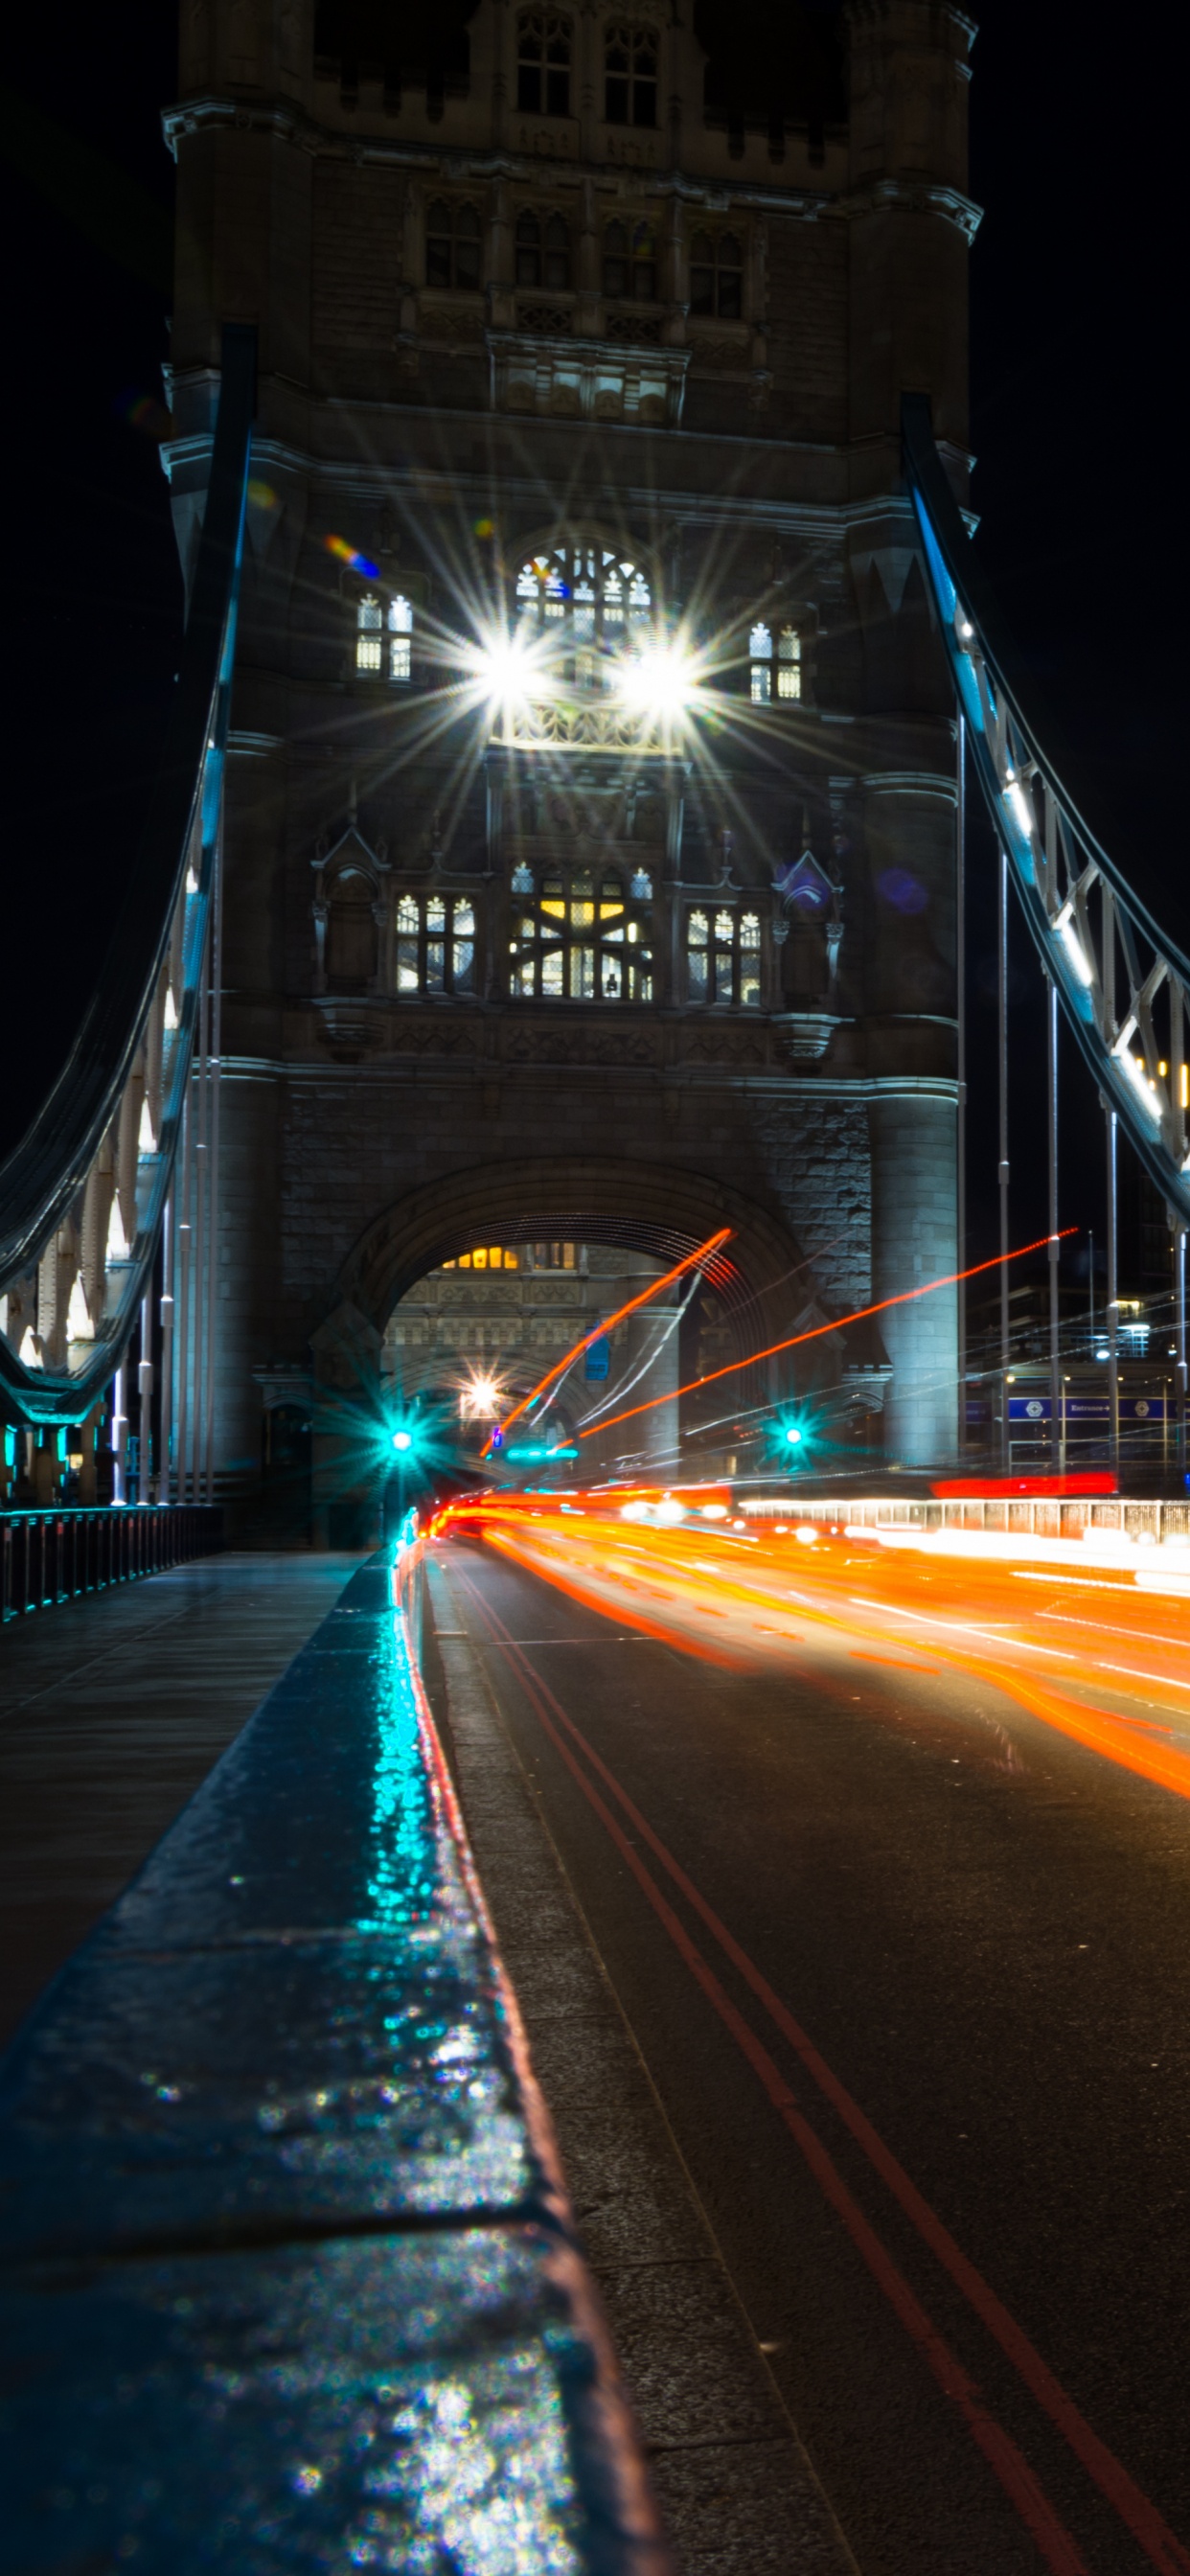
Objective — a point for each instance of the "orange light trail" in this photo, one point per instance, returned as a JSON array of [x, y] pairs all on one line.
[[759, 1597], [714, 1243], [904, 1297]]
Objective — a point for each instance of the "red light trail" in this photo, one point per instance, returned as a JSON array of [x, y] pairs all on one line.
[[713, 1244], [904, 1297]]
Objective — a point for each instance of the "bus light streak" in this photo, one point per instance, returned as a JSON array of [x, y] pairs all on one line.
[[904, 1297]]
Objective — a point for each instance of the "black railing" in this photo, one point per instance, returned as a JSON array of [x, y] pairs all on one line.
[[48, 1557]]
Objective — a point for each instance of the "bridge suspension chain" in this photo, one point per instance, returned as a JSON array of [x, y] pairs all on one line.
[[1121, 981], [83, 1196]]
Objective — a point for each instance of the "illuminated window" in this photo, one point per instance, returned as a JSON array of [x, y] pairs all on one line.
[[489, 1256], [378, 621], [760, 656], [594, 602], [435, 945], [453, 242], [369, 634], [723, 958], [542, 251], [630, 261], [630, 76], [543, 64], [554, 1256], [717, 275], [774, 672], [583, 938]]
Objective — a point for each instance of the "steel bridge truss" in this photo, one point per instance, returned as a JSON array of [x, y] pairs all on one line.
[[1122, 983]]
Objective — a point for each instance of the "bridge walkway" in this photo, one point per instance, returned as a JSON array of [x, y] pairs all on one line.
[[112, 1711]]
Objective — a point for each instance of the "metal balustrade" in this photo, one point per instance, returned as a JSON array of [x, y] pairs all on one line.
[[51, 1556]]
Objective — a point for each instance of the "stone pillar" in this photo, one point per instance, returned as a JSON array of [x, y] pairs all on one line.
[[914, 1238]]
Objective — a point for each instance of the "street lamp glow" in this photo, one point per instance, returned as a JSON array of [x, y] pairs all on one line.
[[660, 682], [503, 664], [402, 1440]]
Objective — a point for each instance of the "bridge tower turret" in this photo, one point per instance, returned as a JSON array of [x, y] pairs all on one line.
[[583, 329]]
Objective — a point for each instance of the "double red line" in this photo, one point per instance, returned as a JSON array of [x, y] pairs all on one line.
[[1058, 2549]]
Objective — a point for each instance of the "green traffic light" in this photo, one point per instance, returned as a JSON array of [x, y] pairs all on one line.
[[402, 1440], [793, 1435]]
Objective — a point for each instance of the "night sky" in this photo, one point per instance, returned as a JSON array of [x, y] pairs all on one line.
[[1076, 327]]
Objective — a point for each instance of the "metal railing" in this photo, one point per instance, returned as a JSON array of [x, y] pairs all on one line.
[[51, 1556]]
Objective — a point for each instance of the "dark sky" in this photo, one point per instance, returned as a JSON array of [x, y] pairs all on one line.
[[1077, 301]]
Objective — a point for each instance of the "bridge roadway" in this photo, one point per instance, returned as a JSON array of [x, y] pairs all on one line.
[[982, 1925]]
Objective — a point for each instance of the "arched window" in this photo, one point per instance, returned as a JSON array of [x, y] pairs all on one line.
[[717, 275], [350, 934], [760, 657], [583, 936], [723, 957], [435, 945], [774, 672], [369, 634], [543, 64], [630, 76], [380, 621], [596, 604], [453, 243], [542, 251], [630, 261]]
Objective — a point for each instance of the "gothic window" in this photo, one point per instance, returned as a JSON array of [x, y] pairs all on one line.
[[583, 937], [723, 958], [487, 1256], [435, 945], [542, 251], [630, 261], [543, 64], [717, 275], [775, 670], [350, 934], [594, 603], [453, 241], [630, 76], [381, 623]]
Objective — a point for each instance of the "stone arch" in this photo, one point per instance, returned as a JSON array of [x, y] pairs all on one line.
[[646, 1207]]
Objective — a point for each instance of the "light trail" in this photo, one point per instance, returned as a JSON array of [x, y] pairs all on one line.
[[904, 1297], [713, 1244], [670, 1582]]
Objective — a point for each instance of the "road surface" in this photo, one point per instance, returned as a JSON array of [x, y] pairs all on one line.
[[873, 1852]]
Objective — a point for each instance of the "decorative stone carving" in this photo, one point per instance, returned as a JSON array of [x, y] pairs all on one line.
[[587, 379]]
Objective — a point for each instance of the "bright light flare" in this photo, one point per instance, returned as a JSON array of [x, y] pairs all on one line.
[[661, 682], [505, 668], [402, 1440], [480, 1399]]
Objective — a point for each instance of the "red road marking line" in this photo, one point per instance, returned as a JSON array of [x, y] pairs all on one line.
[[1019, 2481], [1148, 2526]]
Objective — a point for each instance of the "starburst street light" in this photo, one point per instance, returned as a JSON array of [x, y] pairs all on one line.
[[660, 681], [480, 1399]]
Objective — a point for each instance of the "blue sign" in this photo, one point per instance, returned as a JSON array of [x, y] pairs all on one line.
[[599, 1358]]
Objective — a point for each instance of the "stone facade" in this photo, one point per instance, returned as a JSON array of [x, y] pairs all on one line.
[[523, 943]]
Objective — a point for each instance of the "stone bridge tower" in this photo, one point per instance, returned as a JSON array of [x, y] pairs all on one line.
[[590, 848]]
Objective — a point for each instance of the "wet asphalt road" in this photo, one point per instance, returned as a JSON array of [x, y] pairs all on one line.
[[981, 1931]]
